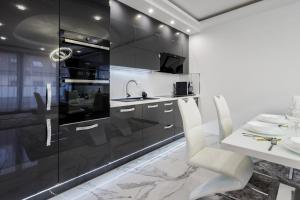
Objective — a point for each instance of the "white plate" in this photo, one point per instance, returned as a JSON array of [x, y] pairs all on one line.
[[274, 119], [263, 128], [292, 143]]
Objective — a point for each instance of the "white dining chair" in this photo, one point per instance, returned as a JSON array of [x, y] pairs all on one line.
[[224, 117], [234, 170]]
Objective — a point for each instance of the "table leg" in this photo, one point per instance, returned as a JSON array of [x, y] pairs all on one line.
[[291, 173]]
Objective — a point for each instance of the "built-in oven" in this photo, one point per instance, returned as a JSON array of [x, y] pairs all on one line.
[[84, 78]]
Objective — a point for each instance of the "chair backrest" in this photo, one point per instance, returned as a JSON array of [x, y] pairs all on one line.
[[192, 127], [224, 117]]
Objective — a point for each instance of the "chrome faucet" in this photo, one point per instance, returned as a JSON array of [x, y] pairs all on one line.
[[133, 81]]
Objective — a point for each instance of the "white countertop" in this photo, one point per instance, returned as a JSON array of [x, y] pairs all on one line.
[[114, 104]]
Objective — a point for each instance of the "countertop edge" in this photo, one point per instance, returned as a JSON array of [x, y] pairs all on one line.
[[115, 104]]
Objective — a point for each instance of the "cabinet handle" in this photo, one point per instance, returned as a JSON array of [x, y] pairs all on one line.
[[168, 104], [127, 110], [49, 132], [84, 128], [153, 106], [167, 111], [48, 96], [169, 126]]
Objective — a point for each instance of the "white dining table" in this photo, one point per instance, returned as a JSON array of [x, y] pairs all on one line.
[[249, 146], [279, 154]]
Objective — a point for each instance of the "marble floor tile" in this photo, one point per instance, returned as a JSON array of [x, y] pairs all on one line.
[[160, 175]]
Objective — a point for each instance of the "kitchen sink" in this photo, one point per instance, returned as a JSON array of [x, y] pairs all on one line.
[[132, 99]]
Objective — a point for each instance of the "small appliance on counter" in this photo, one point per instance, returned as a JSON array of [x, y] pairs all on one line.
[[181, 89]]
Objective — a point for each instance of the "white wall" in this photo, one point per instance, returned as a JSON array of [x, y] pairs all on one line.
[[254, 62]]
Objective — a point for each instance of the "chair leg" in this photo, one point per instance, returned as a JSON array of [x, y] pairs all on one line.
[[219, 184]]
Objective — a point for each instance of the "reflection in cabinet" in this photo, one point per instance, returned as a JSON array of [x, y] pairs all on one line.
[[83, 147], [89, 17], [153, 127], [125, 134]]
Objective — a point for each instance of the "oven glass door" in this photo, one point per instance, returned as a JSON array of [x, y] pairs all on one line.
[[85, 63], [83, 101]]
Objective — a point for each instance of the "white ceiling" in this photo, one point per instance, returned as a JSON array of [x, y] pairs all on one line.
[[186, 13], [201, 9]]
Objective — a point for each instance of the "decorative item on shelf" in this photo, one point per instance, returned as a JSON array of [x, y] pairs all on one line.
[[190, 88], [144, 94]]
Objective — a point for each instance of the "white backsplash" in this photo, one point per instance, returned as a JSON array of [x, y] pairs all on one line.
[[154, 83]]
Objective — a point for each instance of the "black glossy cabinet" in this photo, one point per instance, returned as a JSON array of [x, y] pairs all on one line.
[[125, 132], [29, 96], [137, 39], [89, 17], [83, 147], [153, 126]]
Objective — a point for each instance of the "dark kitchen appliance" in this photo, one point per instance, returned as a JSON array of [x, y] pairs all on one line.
[[181, 88], [171, 63], [84, 78]]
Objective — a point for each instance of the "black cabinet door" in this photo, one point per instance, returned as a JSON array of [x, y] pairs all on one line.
[[153, 126], [122, 35], [178, 119], [82, 147], [125, 133], [89, 17], [28, 102]]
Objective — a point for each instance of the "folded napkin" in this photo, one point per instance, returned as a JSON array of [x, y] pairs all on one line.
[[273, 119], [263, 128]]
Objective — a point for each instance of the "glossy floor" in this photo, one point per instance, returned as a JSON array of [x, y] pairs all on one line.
[[160, 175]]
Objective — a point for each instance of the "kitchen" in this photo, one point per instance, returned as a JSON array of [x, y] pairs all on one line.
[[90, 87]]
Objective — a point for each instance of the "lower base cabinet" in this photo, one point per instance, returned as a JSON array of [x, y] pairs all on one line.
[[83, 147], [125, 131]]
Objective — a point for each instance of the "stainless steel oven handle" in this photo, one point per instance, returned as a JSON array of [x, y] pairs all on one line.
[[48, 96], [153, 106], [70, 41], [86, 81], [168, 127], [167, 111], [127, 110], [84, 128], [168, 104], [49, 132]]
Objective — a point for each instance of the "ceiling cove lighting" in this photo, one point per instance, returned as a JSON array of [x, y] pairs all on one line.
[[97, 18], [172, 22], [150, 10], [21, 7], [3, 38], [188, 30]]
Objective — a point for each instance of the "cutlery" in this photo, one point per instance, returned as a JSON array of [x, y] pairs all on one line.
[[260, 138], [273, 142], [283, 125]]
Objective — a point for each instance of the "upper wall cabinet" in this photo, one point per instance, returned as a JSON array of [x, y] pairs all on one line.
[[137, 39], [89, 17]]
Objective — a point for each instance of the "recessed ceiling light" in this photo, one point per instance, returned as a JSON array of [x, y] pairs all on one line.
[[172, 22], [78, 51], [161, 26], [3, 38], [42, 49], [150, 10], [1, 24], [138, 16], [21, 7], [188, 30], [97, 17], [177, 33]]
